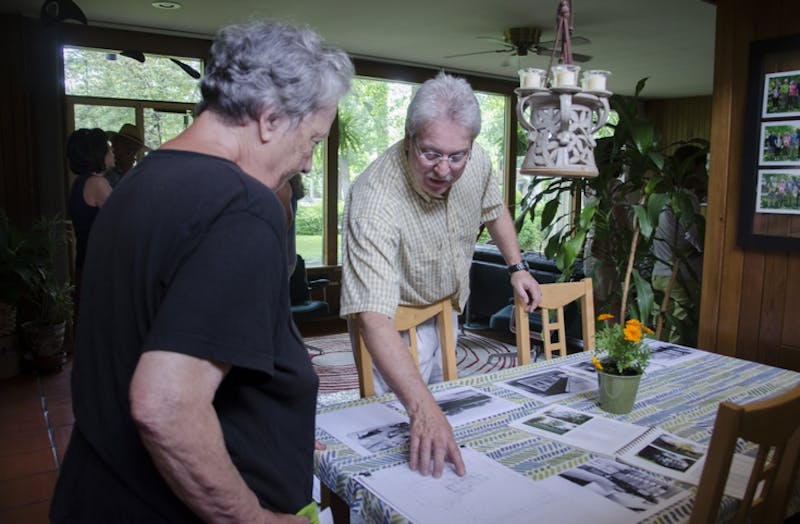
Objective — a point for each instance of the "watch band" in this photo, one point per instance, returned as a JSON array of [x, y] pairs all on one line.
[[519, 266]]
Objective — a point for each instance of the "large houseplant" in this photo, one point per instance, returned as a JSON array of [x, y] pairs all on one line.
[[614, 231], [48, 296]]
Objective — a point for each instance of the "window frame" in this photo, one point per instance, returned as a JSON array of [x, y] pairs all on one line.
[[169, 45]]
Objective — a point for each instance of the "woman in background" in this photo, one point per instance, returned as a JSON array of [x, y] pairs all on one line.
[[89, 156]]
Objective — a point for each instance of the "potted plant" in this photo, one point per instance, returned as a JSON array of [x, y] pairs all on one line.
[[614, 232], [48, 296], [18, 258], [620, 359]]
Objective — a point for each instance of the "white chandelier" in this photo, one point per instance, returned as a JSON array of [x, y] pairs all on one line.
[[560, 116]]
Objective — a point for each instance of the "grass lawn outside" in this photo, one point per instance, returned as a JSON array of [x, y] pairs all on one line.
[[310, 248]]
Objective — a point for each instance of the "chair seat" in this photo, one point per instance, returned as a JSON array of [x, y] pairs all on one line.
[[309, 310]]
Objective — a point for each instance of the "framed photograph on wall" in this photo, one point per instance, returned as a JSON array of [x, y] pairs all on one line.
[[769, 205], [780, 143], [778, 191], [781, 94]]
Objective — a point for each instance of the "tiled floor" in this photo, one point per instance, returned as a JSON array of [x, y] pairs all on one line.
[[36, 421]]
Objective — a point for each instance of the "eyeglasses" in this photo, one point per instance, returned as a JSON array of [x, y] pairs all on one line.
[[433, 158]]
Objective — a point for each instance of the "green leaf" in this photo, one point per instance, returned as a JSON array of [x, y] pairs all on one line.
[[655, 204], [640, 85], [587, 216], [645, 298], [645, 225], [643, 134], [549, 212]]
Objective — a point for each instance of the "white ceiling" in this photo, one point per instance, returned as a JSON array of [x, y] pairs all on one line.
[[671, 42]]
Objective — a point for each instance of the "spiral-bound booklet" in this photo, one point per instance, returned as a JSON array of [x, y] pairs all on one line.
[[670, 455], [650, 448]]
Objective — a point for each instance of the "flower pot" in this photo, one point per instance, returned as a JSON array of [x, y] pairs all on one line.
[[617, 393], [45, 342]]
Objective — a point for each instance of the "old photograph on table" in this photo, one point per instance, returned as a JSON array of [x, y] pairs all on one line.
[[664, 354], [779, 143], [639, 491], [465, 404], [778, 191], [550, 385], [381, 438], [366, 429], [781, 94], [582, 366], [583, 430]]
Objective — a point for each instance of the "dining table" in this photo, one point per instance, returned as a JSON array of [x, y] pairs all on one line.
[[365, 467]]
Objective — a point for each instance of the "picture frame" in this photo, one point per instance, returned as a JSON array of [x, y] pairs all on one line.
[[769, 203]]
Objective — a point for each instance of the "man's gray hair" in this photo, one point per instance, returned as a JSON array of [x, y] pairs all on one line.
[[444, 98], [262, 65]]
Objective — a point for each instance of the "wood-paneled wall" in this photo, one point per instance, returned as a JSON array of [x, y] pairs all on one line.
[[748, 305], [680, 119]]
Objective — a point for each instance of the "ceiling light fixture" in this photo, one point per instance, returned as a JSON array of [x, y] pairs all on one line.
[[166, 5], [560, 116]]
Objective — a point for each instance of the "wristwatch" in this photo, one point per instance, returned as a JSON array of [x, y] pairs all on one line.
[[519, 266]]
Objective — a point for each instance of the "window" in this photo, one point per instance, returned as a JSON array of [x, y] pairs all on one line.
[[107, 89]]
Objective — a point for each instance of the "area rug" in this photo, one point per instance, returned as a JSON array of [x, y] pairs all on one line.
[[333, 359]]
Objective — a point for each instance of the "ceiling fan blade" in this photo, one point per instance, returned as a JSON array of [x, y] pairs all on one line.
[[500, 41], [479, 53], [576, 57], [191, 71], [132, 53]]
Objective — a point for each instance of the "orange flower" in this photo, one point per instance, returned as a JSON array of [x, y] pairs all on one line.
[[634, 322], [633, 332], [648, 330], [596, 361], [605, 316]]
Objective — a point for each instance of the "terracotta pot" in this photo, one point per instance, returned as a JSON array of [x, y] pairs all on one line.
[[617, 393]]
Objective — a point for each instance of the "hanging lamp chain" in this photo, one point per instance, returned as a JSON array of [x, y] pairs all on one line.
[[563, 34]]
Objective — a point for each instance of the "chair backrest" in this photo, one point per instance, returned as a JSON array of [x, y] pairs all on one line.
[[302, 305], [407, 318], [774, 426], [554, 297]]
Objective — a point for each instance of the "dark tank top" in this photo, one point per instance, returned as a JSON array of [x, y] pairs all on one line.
[[82, 215]]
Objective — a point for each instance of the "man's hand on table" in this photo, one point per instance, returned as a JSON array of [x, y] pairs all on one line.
[[432, 440]]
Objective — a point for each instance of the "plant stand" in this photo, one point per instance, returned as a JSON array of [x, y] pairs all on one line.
[[617, 393]]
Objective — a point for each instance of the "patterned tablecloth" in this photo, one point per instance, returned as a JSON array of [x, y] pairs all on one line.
[[681, 399]]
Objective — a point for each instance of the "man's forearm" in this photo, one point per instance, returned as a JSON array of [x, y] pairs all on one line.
[[504, 235], [393, 359]]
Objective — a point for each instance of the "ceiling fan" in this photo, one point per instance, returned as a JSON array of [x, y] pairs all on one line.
[[139, 57], [520, 41]]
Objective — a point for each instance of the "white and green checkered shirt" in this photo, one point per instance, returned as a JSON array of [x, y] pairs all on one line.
[[402, 246]]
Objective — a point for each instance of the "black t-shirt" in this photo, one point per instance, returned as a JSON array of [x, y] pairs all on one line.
[[188, 255]]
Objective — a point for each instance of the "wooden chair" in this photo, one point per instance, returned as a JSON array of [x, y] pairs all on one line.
[[773, 424], [407, 318], [554, 298]]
